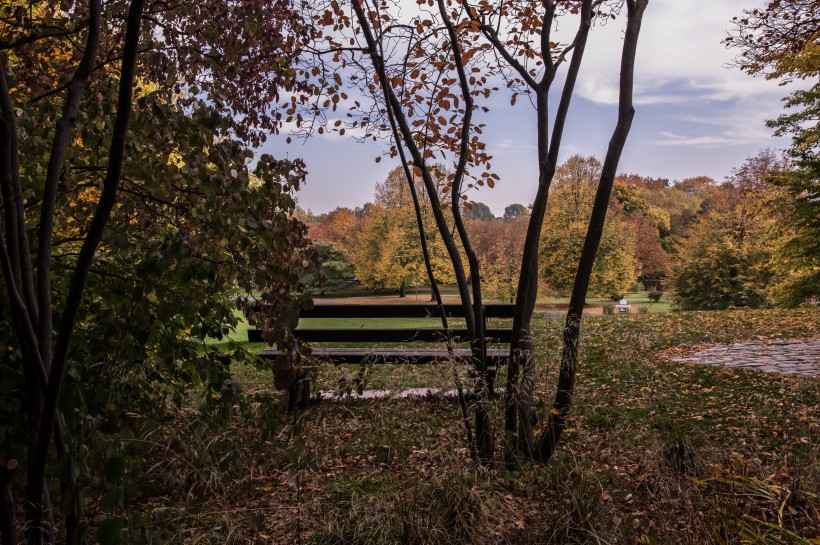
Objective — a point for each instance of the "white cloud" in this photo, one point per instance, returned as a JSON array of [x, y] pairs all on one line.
[[672, 139], [735, 136], [681, 56]]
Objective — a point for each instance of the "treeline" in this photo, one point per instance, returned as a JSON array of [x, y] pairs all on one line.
[[713, 245]]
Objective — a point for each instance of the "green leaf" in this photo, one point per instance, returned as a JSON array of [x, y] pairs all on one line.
[[114, 469], [110, 500], [110, 531]]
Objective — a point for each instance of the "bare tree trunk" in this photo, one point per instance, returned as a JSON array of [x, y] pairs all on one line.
[[551, 434], [519, 418], [473, 313]]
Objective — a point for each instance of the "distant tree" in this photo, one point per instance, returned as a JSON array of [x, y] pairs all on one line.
[[499, 245], [751, 179], [722, 264], [514, 211], [697, 185], [727, 258], [616, 268], [386, 250], [654, 262], [479, 211], [335, 273], [337, 227]]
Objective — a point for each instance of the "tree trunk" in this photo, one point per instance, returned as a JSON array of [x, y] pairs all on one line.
[[8, 519], [521, 372], [551, 434], [472, 311]]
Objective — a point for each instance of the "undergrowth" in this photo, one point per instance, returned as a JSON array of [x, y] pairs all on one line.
[[656, 452]]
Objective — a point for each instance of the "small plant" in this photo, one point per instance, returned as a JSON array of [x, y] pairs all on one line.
[[655, 296], [643, 309], [608, 308], [616, 296]]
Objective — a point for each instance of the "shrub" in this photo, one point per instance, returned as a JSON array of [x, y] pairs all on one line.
[[616, 296], [655, 296], [643, 309], [608, 308]]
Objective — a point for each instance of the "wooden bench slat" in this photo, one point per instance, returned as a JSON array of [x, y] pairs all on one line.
[[493, 335], [497, 356], [344, 310]]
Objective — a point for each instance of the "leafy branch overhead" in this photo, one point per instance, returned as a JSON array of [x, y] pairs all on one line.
[[125, 130]]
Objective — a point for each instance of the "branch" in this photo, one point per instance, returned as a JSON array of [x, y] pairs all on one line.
[[55, 163], [36, 476], [492, 35], [551, 434], [34, 37], [579, 44], [18, 250]]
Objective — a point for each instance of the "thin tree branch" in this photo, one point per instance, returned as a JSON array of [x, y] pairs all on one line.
[[36, 476], [492, 36], [55, 163], [551, 433]]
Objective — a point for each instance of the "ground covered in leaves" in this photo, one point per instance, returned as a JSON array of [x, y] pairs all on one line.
[[657, 452]]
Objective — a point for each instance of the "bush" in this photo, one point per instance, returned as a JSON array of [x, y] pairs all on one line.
[[616, 296], [655, 296], [608, 308], [643, 309]]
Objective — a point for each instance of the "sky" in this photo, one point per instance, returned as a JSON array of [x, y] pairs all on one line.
[[696, 115]]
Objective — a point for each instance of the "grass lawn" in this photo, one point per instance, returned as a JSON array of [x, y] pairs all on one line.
[[656, 452]]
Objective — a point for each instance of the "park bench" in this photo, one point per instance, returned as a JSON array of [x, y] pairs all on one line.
[[404, 345]]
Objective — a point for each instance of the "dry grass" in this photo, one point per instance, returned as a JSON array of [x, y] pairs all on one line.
[[657, 452]]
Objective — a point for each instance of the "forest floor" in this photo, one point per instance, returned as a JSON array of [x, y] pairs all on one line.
[[658, 450]]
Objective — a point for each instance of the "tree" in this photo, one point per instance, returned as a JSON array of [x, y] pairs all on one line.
[[615, 269], [782, 41], [651, 224], [722, 265], [387, 251], [727, 258], [336, 272], [513, 211], [339, 227], [479, 211], [425, 75], [499, 245], [654, 262], [65, 73]]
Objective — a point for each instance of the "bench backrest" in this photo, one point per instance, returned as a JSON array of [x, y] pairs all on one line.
[[403, 335]]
